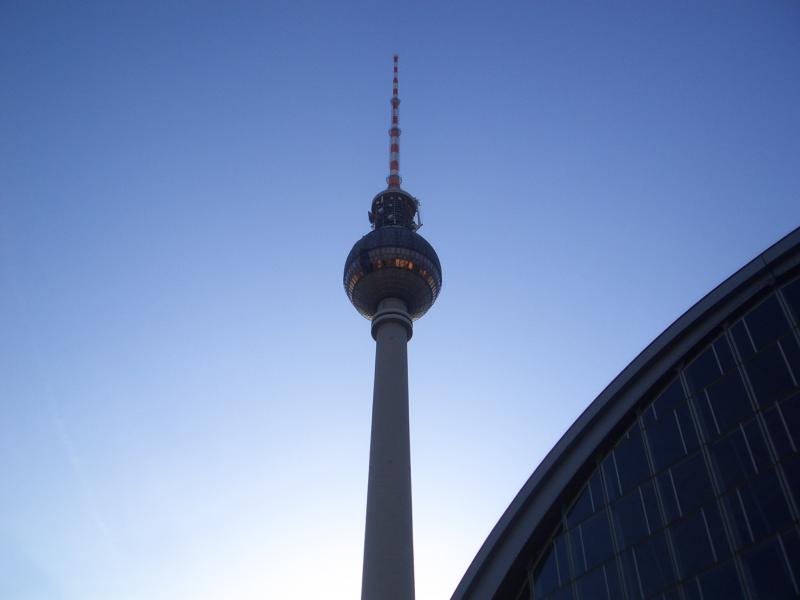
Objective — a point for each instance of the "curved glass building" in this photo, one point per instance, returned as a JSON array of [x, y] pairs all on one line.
[[682, 479]]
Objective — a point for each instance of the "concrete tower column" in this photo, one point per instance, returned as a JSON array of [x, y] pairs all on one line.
[[389, 543]]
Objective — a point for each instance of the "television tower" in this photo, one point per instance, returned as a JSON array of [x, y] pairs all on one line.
[[392, 276]]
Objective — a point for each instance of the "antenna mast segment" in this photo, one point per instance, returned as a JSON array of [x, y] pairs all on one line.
[[394, 178]]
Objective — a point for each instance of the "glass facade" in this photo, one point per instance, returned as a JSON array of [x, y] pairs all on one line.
[[699, 498]]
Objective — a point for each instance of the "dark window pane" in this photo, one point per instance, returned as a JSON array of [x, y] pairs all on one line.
[[631, 462], [545, 576], [596, 537], [576, 551], [766, 506], [665, 441], [671, 397], [691, 482], [724, 354], [564, 570], [654, 564], [596, 487], [791, 547], [703, 370], [610, 475], [728, 399], [581, 509], [688, 431], [612, 580], [766, 322], [668, 497], [630, 523], [778, 432], [691, 590], [651, 505], [716, 531], [769, 375], [757, 509], [593, 586], [562, 594], [629, 576], [790, 408], [791, 293], [742, 340], [792, 471], [792, 353], [721, 582], [671, 595], [732, 458], [767, 573], [693, 548]]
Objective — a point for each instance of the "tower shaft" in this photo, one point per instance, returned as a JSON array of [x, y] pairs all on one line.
[[388, 572]]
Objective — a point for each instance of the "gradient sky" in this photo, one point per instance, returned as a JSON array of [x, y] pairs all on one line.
[[185, 390]]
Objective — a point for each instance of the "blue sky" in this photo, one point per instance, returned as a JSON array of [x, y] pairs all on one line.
[[184, 389]]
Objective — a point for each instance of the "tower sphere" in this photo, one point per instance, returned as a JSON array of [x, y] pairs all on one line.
[[393, 260]]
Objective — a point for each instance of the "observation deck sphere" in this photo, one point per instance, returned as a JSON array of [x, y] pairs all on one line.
[[392, 262]]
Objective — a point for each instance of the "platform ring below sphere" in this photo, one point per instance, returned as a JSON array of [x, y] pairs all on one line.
[[392, 262]]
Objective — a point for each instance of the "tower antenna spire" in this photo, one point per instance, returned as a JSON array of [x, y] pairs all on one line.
[[394, 178]]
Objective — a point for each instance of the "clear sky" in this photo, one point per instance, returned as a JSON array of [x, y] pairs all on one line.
[[185, 390]]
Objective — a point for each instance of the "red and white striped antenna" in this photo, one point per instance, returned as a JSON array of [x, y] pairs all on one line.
[[394, 178]]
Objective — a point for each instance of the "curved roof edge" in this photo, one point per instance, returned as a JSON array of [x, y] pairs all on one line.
[[503, 547]]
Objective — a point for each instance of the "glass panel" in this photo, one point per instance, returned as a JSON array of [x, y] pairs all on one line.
[[778, 432], [791, 293], [742, 340], [729, 402], [596, 487], [757, 509], [721, 582], [651, 505], [790, 409], [766, 322], [596, 536], [667, 490], [769, 375], [739, 455], [630, 523], [716, 531], [724, 354], [564, 570], [629, 576], [671, 595], [792, 353], [791, 548], [576, 551], [653, 564], [610, 476], [693, 549], [545, 576], [767, 573], [671, 437], [562, 594], [670, 398], [665, 441], [691, 483], [632, 465], [581, 509], [612, 580], [691, 590], [593, 586], [702, 371], [792, 471]]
